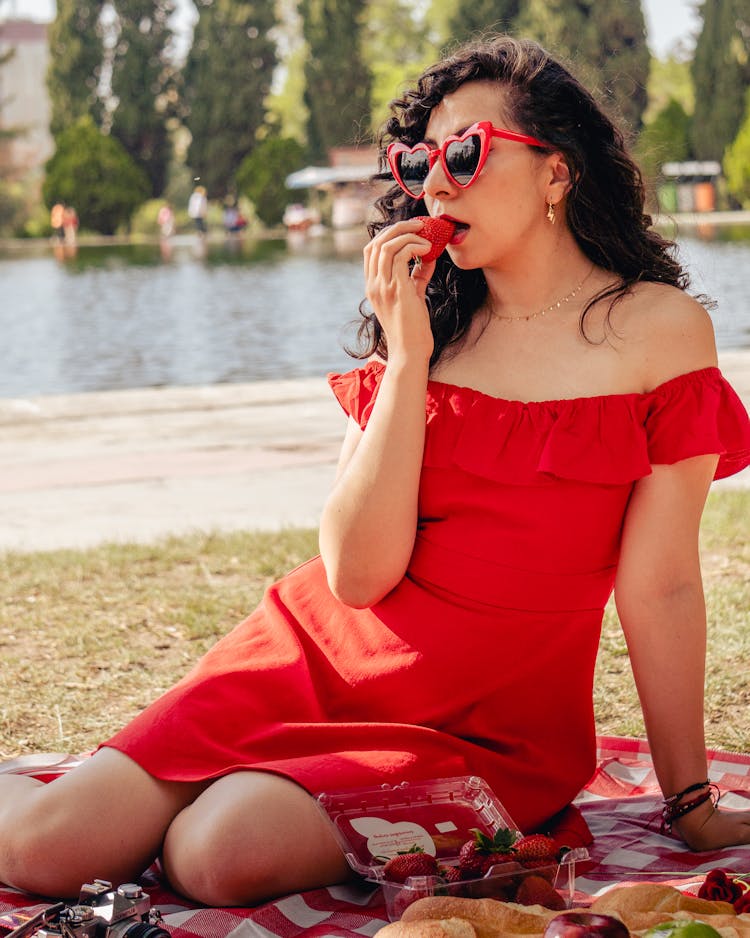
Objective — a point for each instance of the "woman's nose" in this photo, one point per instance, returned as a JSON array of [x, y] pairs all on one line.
[[438, 183]]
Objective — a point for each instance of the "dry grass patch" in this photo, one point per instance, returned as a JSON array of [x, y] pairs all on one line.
[[88, 638]]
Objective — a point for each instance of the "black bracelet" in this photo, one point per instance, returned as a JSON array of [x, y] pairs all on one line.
[[673, 811], [672, 799]]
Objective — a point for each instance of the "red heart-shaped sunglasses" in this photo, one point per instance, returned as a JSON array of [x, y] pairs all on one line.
[[462, 157]]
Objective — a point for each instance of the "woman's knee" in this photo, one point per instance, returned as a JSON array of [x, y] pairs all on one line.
[[17, 831], [203, 865], [105, 819], [250, 838]]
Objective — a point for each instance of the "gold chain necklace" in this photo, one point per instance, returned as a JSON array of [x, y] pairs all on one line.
[[547, 309]]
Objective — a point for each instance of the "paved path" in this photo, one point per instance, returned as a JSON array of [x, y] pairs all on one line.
[[81, 469]]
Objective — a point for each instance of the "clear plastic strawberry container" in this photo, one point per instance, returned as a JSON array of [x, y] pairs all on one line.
[[438, 816]]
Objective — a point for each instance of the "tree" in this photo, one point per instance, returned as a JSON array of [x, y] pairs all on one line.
[[720, 74], [227, 78], [606, 43], [142, 84], [737, 162], [76, 57], [7, 134], [605, 40], [665, 138], [669, 79], [262, 175], [396, 44], [338, 81], [286, 107], [94, 173], [474, 18]]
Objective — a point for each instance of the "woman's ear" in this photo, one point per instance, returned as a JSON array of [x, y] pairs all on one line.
[[559, 180]]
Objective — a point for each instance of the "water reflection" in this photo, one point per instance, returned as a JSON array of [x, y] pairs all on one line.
[[190, 311]]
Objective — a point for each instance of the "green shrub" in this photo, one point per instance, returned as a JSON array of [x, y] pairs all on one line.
[[95, 174], [736, 162], [262, 173]]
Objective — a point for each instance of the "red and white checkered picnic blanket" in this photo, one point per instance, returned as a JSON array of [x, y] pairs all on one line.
[[621, 805]]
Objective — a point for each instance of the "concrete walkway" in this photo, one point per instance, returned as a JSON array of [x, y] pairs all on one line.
[[81, 469]]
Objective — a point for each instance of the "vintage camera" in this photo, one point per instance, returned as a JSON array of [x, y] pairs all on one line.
[[101, 912]]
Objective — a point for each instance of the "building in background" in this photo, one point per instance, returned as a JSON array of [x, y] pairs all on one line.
[[347, 180], [24, 102]]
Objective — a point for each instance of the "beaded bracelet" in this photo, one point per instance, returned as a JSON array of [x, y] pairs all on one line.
[[674, 808]]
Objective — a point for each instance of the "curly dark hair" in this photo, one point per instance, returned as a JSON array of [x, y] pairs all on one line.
[[604, 206]]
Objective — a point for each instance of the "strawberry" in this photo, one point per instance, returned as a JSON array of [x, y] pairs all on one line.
[[438, 231], [478, 855], [451, 874], [413, 862], [536, 847], [535, 890]]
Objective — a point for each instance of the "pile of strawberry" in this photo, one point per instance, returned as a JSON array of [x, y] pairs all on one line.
[[478, 856]]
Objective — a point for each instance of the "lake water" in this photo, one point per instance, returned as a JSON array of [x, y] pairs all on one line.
[[142, 316]]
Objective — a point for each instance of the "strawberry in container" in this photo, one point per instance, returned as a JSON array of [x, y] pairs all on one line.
[[449, 837]]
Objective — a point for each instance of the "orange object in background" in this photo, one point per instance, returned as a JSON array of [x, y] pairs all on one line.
[[705, 197]]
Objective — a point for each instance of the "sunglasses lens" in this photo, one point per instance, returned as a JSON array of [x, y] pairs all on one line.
[[462, 158], [413, 169]]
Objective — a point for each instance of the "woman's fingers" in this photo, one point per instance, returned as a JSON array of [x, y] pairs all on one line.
[[395, 292], [390, 252]]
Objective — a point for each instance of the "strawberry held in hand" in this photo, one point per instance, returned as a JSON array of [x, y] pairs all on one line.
[[413, 862], [438, 231]]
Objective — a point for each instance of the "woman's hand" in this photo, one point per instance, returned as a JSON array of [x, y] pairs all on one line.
[[711, 828], [396, 293]]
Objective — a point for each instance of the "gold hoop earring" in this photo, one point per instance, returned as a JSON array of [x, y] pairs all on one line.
[[551, 212]]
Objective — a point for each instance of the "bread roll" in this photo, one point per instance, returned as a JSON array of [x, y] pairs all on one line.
[[623, 901], [490, 918], [429, 928]]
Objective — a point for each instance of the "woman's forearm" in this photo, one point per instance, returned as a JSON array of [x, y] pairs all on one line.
[[369, 522], [666, 636]]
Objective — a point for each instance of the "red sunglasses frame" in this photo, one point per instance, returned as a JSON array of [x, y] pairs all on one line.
[[485, 130]]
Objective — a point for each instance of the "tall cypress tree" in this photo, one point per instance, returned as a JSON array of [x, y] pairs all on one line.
[[76, 57], [142, 77], [619, 54], [227, 78], [473, 18], [337, 80], [604, 39], [721, 74]]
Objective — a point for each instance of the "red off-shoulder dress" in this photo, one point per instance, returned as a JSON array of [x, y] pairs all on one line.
[[481, 660]]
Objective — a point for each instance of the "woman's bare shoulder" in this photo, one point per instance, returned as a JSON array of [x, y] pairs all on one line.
[[668, 332]]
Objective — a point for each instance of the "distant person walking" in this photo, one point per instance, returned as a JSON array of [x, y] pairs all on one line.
[[70, 224], [165, 220], [198, 209], [56, 217]]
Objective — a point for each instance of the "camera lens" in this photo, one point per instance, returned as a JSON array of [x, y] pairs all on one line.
[[136, 930]]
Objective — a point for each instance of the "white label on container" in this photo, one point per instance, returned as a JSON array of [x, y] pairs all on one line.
[[385, 839], [445, 826]]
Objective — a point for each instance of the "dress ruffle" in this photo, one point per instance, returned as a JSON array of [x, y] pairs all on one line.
[[608, 439]]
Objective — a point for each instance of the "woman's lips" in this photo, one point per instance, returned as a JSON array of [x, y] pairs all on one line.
[[460, 233]]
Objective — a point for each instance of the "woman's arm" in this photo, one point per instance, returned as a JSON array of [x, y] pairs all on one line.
[[659, 597], [369, 522]]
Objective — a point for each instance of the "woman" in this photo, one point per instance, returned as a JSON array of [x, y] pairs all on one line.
[[574, 420]]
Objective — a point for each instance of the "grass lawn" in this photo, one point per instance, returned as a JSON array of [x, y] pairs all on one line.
[[88, 638]]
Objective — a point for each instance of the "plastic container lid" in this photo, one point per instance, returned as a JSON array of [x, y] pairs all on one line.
[[374, 824]]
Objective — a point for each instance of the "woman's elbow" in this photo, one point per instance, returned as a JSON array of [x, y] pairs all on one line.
[[355, 589]]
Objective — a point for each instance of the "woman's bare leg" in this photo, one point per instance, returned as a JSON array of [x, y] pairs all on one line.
[[105, 819], [251, 836]]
